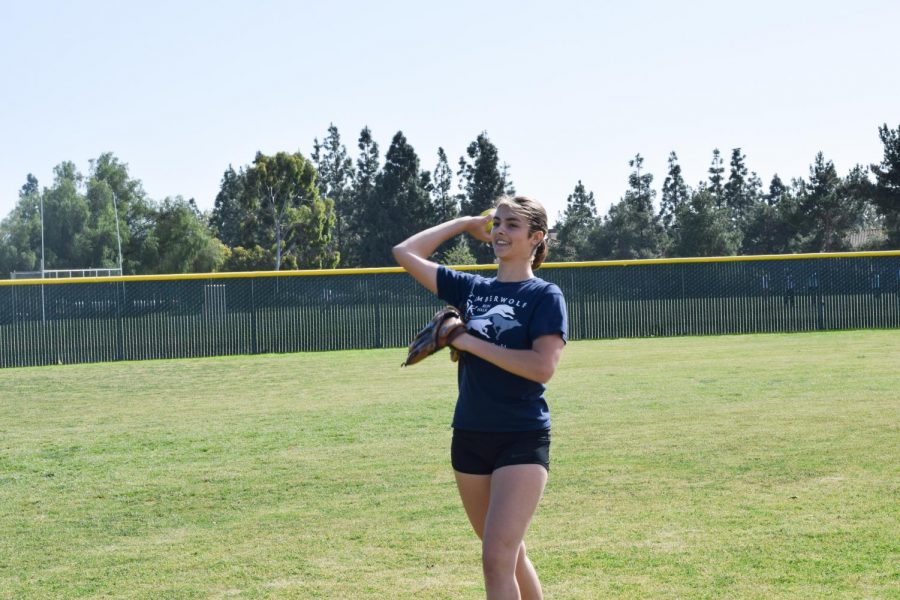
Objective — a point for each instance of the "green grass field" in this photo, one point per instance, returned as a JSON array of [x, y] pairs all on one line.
[[760, 466]]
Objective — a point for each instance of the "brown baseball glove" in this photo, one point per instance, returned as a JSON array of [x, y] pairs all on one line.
[[445, 326]]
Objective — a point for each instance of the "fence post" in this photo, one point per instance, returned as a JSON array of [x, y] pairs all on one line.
[[45, 341], [379, 341], [120, 325], [815, 288], [254, 332]]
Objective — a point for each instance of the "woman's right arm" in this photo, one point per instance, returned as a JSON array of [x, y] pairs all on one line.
[[412, 254]]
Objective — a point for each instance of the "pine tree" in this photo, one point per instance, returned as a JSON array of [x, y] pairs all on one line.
[[777, 191], [400, 205], [703, 228], [675, 193], [716, 169], [640, 194], [860, 188], [367, 164], [631, 229], [458, 254], [886, 194], [509, 189], [827, 212], [367, 169], [445, 206], [737, 196], [482, 182], [335, 181], [574, 227], [228, 215], [768, 227], [755, 188], [444, 202]]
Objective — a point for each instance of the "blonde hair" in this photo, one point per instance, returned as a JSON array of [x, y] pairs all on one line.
[[535, 215]]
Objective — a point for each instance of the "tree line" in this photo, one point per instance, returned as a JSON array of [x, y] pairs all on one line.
[[736, 214], [290, 211]]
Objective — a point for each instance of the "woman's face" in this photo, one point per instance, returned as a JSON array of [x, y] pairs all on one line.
[[510, 237]]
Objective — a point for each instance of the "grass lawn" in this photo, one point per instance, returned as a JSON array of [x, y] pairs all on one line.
[[763, 466]]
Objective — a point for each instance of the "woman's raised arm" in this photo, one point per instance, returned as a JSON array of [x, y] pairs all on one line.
[[413, 253]]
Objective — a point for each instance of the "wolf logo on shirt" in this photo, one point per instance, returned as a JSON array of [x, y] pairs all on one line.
[[500, 318]]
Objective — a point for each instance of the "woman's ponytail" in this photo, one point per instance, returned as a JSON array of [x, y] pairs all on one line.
[[540, 253]]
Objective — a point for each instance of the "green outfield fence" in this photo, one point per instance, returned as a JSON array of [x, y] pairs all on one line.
[[171, 316]]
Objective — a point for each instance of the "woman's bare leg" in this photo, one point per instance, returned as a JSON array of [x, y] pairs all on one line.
[[516, 489]]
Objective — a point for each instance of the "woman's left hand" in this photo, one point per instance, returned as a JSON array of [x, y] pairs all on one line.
[[478, 227]]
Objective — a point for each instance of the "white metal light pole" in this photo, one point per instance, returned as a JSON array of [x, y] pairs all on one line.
[[43, 304], [42, 234]]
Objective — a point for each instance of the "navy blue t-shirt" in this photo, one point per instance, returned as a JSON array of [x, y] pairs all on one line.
[[512, 315]]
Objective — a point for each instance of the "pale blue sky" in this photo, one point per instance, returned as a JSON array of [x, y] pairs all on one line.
[[566, 90]]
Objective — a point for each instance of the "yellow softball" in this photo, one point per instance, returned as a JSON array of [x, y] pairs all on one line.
[[490, 224]]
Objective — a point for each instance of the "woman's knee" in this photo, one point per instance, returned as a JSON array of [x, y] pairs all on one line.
[[499, 558]]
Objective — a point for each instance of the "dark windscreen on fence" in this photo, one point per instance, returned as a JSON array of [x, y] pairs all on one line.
[[134, 318]]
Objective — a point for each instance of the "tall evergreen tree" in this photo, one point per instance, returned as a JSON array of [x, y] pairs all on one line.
[[886, 194], [509, 188], [458, 253], [703, 228], [574, 228], [631, 229], [827, 213], [777, 191], [367, 165], [768, 227], [443, 201], [363, 194], [445, 206], [400, 204], [869, 226], [738, 192], [674, 192], [716, 179], [335, 181], [482, 182], [228, 216], [755, 188]]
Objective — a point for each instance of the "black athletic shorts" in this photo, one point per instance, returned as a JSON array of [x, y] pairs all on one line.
[[481, 453]]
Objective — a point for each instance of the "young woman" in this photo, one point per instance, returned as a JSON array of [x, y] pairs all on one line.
[[516, 328]]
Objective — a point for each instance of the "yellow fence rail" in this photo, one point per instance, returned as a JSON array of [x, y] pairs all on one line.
[[50, 321]]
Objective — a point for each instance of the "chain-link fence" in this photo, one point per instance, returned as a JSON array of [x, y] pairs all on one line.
[[134, 318]]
